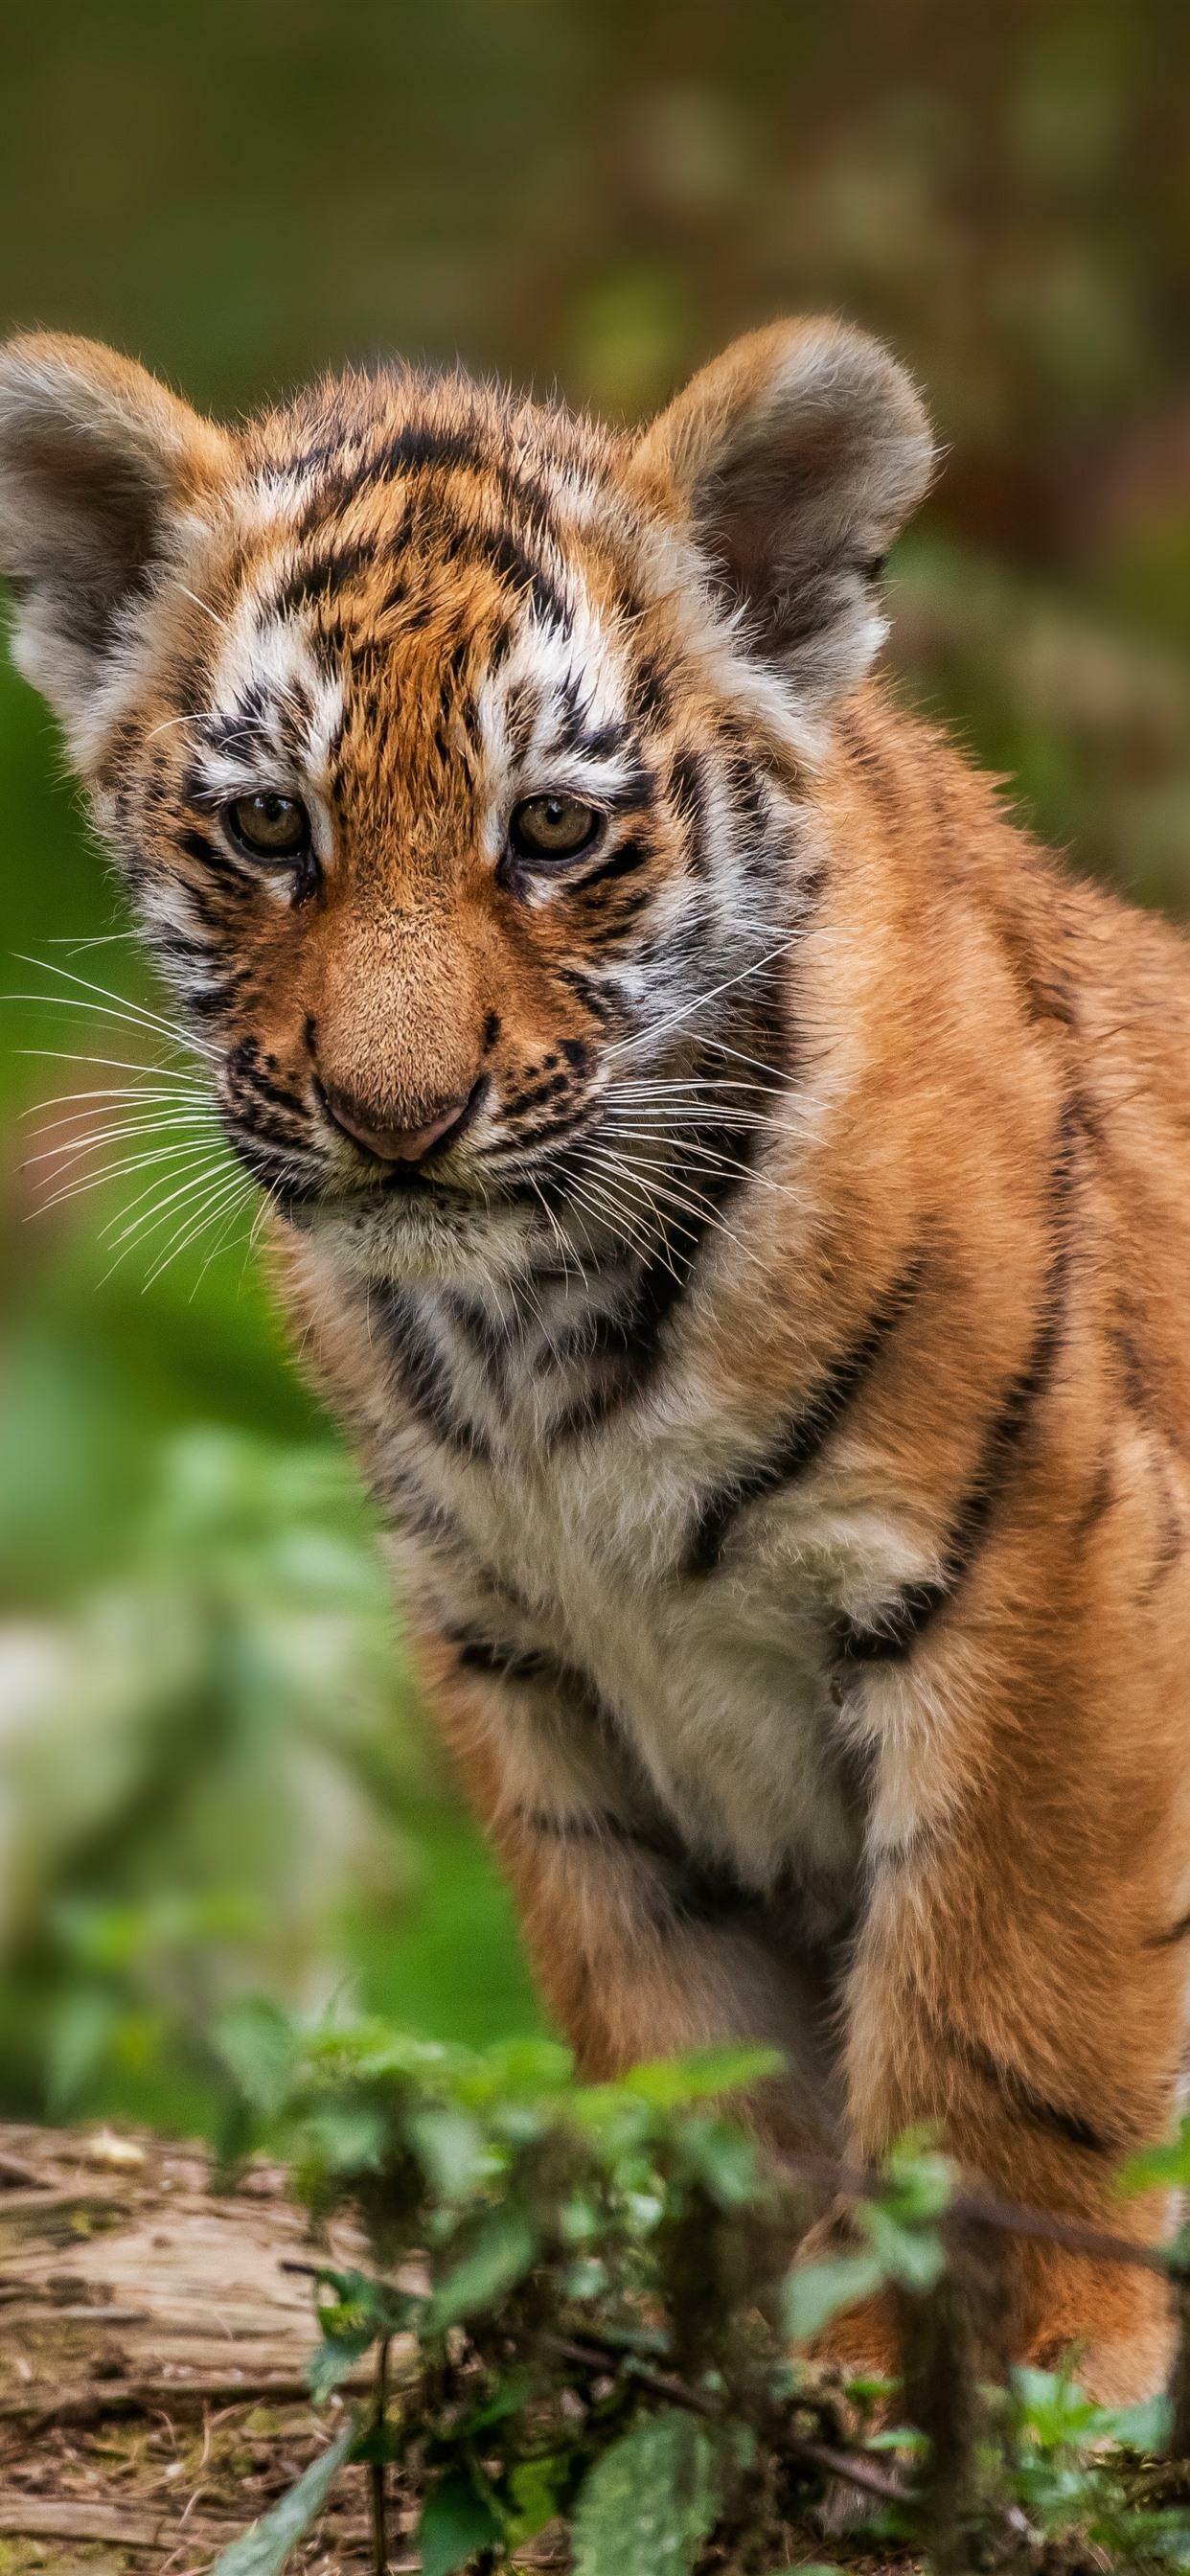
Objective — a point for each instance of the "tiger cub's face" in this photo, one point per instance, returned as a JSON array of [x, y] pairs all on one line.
[[453, 749]]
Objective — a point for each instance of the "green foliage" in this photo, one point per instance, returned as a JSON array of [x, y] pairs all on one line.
[[903, 2245], [585, 2302], [455, 2526], [264, 2549], [649, 2501], [211, 1762], [1166, 2167]]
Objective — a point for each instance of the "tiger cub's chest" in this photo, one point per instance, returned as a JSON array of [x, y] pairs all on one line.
[[720, 1678]]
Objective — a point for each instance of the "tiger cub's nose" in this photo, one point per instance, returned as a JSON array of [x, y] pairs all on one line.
[[395, 1144]]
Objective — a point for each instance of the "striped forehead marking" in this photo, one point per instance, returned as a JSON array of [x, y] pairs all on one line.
[[548, 696], [272, 700]]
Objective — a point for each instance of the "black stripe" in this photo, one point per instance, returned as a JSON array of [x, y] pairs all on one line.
[[892, 1630], [423, 1376], [280, 1171], [500, 1663], [518, 570], [574, 731], [411, 1509], [805, 1436], [245, 1070], [417, 446], [420, 448], [632, 1339], [489, 1338], [1099, 1500], [601, 1334], [718, 1163], [705, 1896], [526, 1664], [509, 1149], [623, 862], [211, 856], [1169, 1939], [688, 798], [634, 790], [685, 1893], [325, 574], [213, 1000], [616, 916], [553, 1086], [1032, 2104], [586, 990], [650, 691]]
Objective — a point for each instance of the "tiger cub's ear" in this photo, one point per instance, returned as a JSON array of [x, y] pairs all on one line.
[[98, 465], [794, 459]]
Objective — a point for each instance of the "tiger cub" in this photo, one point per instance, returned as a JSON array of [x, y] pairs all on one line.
[[738, 1192]]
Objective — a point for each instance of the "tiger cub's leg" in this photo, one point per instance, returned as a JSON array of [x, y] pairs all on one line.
[[637, 1951], [1040, 2038]]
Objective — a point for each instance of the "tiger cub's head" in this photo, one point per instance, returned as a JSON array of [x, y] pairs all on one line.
[[451, 746]]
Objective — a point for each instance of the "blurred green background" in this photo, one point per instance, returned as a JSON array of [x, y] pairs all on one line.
[[213, 1779]]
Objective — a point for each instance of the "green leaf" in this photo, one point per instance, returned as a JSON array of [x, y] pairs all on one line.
[[515, 2069], [865, 2390], [259, 2048], [1145, 2428], [723, 2159], [359, 2290], [649, 2503], [537, 2491], [361, 2312], [264, 2548], [898, 2437], [451, 2149], [344, 2137], [1167, 2165], [911, 2256], [919, 2182], [816, 2292], [701, 2074], [1054, 2410], [502, 2249], [508, 2399], [380, 2441], [80, 2036], [334, 2359], [455, 2525]]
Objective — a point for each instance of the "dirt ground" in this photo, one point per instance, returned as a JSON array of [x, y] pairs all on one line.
[[152, 2397], [152, 2360]]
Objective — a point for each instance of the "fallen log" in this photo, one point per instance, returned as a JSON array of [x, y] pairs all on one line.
[[152, 2361]]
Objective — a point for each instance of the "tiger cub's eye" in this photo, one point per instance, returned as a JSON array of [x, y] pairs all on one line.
[[553, 827], [269, 826]]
